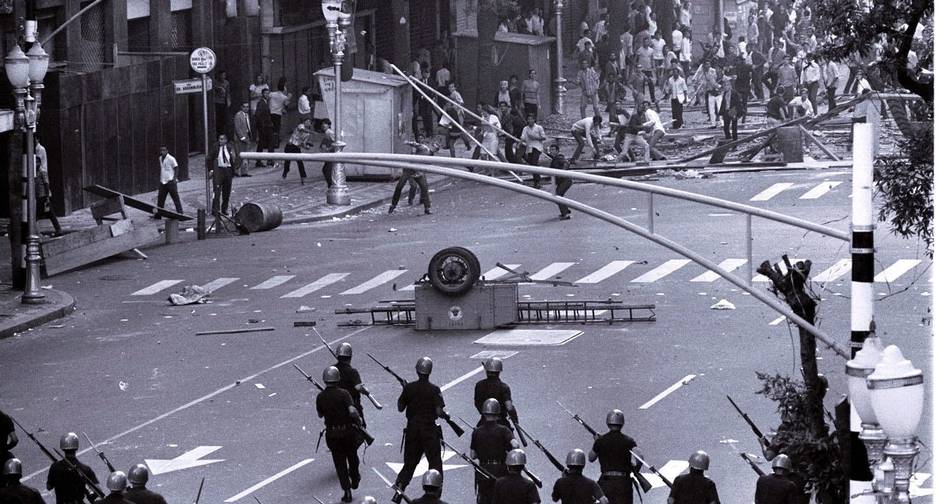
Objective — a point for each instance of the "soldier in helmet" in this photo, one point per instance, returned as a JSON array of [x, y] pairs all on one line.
[[13, 491], [64, 478], [575, 488], [514, 488], [694, 487], [138, 493], [349, 379], [117, 485], [432, 483], [423, 404], [777, 488], [8, 439], [490, 444], [613, 451], [340, 415], [493, 387]]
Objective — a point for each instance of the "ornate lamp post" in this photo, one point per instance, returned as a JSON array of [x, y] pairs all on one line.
[[336, 23], [29, 70], [858, 369], [560, 81]]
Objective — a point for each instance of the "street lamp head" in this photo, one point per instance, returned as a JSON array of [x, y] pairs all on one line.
[[897, 394], [38, 63], [16, 65], [858, 370]]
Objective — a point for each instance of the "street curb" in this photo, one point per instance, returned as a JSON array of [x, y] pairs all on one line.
[[62, 305]]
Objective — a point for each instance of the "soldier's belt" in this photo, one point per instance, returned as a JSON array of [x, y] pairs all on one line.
[[615, 474], [339, 427], [491, 462]]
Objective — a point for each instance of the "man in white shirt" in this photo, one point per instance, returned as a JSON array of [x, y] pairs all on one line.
[[600, 28], [536, 23], [654, 126], [532, 136], [587, 130], [442, 77], [303, 105], [676, 38], [168, 168], [810, 79], [678, 92], [831, 80], [685, 15]]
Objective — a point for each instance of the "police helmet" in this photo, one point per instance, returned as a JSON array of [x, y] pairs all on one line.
[[138, 475], [515, 458], [781, 461], [117, 481], [331, 375], [432, 478], [699, 460], [344, 350], [69, 441], [491, 407], [13, 467], [615, 417], [493, 365], [575, 458], [424, 366]]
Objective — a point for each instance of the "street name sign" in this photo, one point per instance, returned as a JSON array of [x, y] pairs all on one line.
[[191, 85]]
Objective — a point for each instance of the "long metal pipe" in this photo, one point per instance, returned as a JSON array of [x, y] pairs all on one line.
[[764, 297], [69, 21]]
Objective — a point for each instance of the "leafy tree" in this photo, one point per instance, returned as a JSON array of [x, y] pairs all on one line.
[[906, 183]]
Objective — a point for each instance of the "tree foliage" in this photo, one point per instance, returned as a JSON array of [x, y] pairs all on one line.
[[906, 184]]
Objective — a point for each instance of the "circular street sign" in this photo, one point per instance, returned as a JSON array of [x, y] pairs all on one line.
[[202, 60]]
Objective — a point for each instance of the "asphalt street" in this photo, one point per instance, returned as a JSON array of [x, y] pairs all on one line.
[[128, 369]]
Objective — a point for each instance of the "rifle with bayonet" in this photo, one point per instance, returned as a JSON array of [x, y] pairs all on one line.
[[473, 463], [90, 495], [644, 483], [369, 438], [652, 468], [551, 458], [511, 419], [752, 464], [363, 390], [393, 487], [100, 453], [760, 435], [444, 415], [38, 443], [535, 479], [199, 492]]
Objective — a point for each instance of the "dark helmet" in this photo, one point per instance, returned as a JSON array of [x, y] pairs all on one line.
[[344, 350], [615, 417], [575, 458], [699, 460], [782, 461], [515, 458], [13, 467], [138, 475], [491, 407], [117, 481], [432, 478], [493, 365], [69, 441], [424, 366], [331, 375]]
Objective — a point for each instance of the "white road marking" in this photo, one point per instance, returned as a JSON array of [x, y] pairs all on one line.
[[273, 282], [781, 265], [423, 465], [486, 354], [157, 287], [477, 370], [315, 286], [772, 191], [661, 271], [187, 460], [835, 271], [208, 396], [498, 272], [606, 272], [670, 470], [267, 481], [529, 337], [777, 320], [381, 278], [893, 272], [218, 283], [672, 388], [819, 190], [728, 265], [551, 270]]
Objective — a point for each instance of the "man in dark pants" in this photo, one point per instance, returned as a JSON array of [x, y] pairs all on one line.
[[777, 488], [613, 451], [326, 145], [168, 168], [758, 61], [490, 444], [742, 85], [423, 404], [514, 488], [299, 140], [222, 162], [493, 387], [265, 125], [63, 477], [14, 492], [335, 406], [138, 492], [349, 380], [562, 184], [574, 487], [415, 177], [8, 439], [421, 107]]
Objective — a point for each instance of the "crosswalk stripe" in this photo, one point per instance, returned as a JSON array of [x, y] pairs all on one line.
[[157, 287], [820, 190], [777, 320], [315, 286], [606, 272], [272, 282], [384, 277], [781, 265], [218, 283], [772, 191], [834, 272], [498, 272], [551, 270], [893, 272], [728, 265], [661, 271]]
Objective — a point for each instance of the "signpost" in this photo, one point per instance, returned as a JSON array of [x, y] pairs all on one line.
[[189, 86], [202, 60]]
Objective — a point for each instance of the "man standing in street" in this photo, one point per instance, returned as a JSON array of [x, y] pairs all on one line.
[[588, 81], [168, 169], [421, 107], [493, 387], [349, 380], [243, 134], [532, 137], [514, 488], [831, 80], [530, 95], [810, 78], [138, 492], [777, 488], [678, 91], [335, 406], [421, 148], [490, 444], [265, 125], [326, 145], [298, 141], [562, 184], [423, 404], [694, 487], [587, 131], [613, 451], [303, 104], [222, 97], [277, 103], [64, 478], [221, 162], [14, 492], [573, 487]]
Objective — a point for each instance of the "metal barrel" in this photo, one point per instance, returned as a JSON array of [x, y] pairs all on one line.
[[259, 217]]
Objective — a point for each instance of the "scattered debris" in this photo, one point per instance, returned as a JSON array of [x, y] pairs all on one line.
[[305, 309], [724, 304], [305, 323], [234, 331], [122, 385], [191, 294]]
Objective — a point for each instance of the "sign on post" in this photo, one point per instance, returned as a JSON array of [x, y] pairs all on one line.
[[191, 85], [202, 60]]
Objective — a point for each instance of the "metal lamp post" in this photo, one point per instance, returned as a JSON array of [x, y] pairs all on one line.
[[338, 193], [560, 81]]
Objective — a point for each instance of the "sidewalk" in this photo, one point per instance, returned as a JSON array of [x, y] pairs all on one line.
[[16, 317]]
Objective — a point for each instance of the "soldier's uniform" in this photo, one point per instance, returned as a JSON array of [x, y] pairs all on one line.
[[492, 386], [776, 489], [6, 428], [515, 489], [428, 499], [431, 482], [576, 489], [694, 487], [342, 437], [18, 493], [117, 484], [421, 401], [491, 442], [114, 498], [68, 484], [348, 380], [613, 453], [141, 495]]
